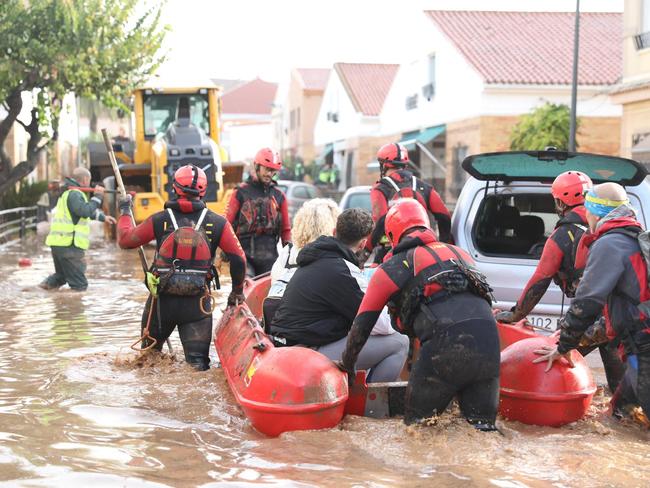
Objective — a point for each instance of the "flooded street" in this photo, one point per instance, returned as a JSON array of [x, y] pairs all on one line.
[[78, 407]]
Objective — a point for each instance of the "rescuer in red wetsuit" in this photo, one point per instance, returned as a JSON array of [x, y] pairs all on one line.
[[397, 182], [259, 213], [184, 277], [558, 263], [434, 294]]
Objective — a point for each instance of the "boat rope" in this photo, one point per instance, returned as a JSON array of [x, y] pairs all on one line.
[[145, 332]]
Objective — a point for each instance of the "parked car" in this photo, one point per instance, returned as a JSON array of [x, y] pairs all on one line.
[[356, 197], [297, 194], [506, 186]]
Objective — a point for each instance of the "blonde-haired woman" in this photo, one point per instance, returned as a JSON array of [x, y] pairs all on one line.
[[315, 218]]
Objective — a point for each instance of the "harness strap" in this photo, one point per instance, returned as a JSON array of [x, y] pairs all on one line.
[[201, 217], [414, 182], [173, 219], [390, 181]]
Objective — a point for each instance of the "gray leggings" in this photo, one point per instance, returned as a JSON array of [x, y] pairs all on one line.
[[384, 355]]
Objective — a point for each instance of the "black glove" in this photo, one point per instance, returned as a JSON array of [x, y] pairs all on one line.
[[505, 316], [350, 371], [235, 298], [125, 205]]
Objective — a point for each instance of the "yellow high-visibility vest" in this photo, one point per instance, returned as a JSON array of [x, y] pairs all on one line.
[[63, 231]]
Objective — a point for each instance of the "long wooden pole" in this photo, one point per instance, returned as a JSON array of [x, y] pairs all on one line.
[[122, 190]]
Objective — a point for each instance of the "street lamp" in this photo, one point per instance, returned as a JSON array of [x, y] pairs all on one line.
[[574, 81]]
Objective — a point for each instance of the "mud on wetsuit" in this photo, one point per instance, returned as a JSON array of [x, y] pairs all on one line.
[[260, 216], [614, 283], [558, 263], [384, 191], [194, 327], [459, 352]]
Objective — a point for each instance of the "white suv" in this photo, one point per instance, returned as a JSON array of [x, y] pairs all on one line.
[[505, 213]]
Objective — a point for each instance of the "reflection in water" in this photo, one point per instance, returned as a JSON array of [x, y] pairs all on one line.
[[78, 407]]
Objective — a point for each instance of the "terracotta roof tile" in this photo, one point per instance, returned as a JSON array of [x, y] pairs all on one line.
[[536, 47], [254, 97], [367, 84], [314, 78]]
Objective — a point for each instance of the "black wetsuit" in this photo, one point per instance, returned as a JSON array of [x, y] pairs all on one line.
[[459, 352]]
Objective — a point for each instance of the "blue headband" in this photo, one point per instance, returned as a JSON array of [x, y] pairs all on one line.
[[601, 206]]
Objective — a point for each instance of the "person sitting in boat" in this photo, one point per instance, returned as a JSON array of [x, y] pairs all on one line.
[[315, 218], [324, 294], [185, 228], [558, 263], [614, 283], [436, 295]]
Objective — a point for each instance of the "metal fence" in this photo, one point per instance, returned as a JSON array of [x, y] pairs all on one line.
[[15, 222]]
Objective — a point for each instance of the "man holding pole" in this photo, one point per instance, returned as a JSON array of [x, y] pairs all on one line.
[[69, 235], [187, 236]]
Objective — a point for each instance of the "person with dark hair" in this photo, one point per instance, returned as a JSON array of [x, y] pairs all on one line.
[[435, 295], [258, 211], [187, 236], [324, 294]]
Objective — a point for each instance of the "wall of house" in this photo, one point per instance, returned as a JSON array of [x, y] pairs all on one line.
[[636, 63], [366, 166], [336, 100], [310, 107], [636, 120], [243, 139], [458, 87]]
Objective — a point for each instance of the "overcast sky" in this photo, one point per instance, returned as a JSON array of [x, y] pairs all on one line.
[[266, 38]]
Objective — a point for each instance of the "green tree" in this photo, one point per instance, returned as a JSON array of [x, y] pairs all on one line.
[[545, 126], [97, 49]]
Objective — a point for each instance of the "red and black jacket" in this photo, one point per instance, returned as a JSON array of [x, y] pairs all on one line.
[[187, 212], [383, 192], [256, 209], [418, 255], [557, 262], [614, 283]]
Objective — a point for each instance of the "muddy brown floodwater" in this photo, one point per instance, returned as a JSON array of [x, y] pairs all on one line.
[[77, 407]]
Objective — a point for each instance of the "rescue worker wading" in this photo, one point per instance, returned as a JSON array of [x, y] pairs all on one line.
[[69, 235], [187, 236], [259, 213], [396, 182], [614, 283], [557, 263], [434, 294]]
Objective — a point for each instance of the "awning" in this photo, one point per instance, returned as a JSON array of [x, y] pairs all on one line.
[[327, 150], [423, 137]]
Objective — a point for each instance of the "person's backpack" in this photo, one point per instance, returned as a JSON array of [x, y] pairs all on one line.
[[643, 238], [405, 190], [183, 262]]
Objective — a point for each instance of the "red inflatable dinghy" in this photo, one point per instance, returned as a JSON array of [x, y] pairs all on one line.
[[533, 396], [279, 389]]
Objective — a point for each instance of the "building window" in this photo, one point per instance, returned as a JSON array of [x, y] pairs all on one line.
[[642, 40], [412, 102], [429, 89], [298, 117], [292, 120]]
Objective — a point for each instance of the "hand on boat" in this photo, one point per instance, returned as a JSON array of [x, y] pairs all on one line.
[[350, 371], [551, 354], [505, 316], [235, 298]]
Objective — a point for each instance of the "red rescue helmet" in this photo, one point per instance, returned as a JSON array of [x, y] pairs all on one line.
[[393, 155], [569, 187], [190, 181], [267, 157], [403, 215]]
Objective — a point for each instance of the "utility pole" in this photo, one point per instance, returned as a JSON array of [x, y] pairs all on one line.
[[574, 81]]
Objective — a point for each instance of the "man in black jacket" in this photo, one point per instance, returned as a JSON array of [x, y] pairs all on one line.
[[323, 296]]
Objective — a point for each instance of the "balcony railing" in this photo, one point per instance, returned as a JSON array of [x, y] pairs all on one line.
[[642, 40]]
